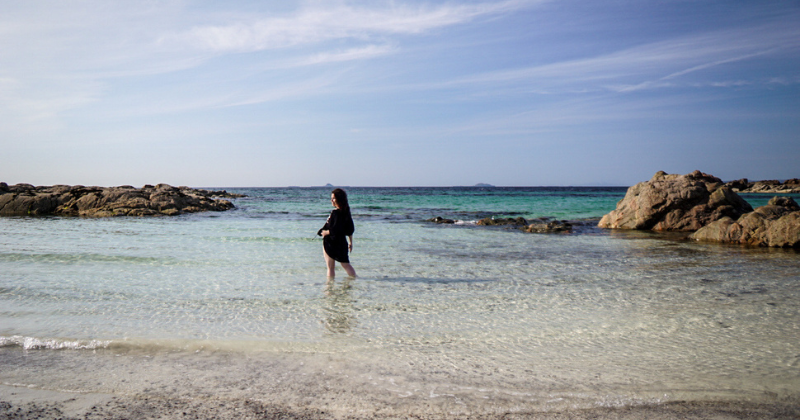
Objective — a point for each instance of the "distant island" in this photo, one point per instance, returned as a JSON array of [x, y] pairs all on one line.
[[484, 185]]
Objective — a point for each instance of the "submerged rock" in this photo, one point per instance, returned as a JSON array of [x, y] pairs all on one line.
[[776, 225], [491, 221], [553, 226], [675, 203], [441, 220], [77, 200], [542, 225]]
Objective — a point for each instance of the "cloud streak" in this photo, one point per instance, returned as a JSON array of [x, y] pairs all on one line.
[[649, 66], [316, 25]]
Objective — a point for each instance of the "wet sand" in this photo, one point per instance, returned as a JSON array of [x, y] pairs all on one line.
[[26, 403], [124, 384]]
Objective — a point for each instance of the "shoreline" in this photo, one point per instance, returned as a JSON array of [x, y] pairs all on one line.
[[30, 403]]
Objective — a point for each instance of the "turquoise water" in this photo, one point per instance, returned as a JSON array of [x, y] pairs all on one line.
[[454, 317]]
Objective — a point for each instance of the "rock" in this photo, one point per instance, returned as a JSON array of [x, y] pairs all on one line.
[[776, 225], [675, 203], [544, 226], [739, 184], [785, 202], [764, 186], [221, 194], [441, 220], [490, 221], [78, 200], [790, 186]]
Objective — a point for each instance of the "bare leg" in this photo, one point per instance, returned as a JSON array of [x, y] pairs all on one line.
[[331, 263], [349, 269]]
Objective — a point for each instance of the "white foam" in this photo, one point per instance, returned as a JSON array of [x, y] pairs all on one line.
[[34, 343]]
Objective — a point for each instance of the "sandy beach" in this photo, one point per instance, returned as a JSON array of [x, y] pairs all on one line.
[[26, 403], [219, 385]]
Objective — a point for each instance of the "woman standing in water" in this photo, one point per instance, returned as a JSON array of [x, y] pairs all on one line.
[[337, 234]]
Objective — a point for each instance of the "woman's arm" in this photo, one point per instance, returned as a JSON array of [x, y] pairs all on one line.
[[350, 244]]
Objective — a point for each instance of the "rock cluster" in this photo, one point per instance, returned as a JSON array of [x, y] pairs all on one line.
[[675, 203], [700, 203], [791, 186], [543, 225], [777, 225], [78, 200]]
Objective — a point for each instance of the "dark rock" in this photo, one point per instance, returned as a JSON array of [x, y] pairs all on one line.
[[222, 194], [78, 200], [675, 203], [553, 226], [441, 220], [490, 221], [739, 184]]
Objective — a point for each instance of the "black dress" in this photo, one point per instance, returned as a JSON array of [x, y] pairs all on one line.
[[340, 225]]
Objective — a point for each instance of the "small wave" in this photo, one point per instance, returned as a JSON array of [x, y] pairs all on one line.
[[160, 345], [33, 343]]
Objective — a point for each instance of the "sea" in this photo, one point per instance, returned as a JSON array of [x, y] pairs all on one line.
[[442, 318]]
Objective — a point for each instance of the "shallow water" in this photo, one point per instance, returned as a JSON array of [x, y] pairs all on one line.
[[448, 317]]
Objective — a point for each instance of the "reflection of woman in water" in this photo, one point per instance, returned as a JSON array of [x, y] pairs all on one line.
[[340, 317], [337, 234]]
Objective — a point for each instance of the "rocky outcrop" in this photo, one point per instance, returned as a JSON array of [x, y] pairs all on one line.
[[791, 186], [776, 225], [65, 200], [675, 203]]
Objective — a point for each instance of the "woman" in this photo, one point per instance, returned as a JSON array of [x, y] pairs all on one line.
[[337, 234]]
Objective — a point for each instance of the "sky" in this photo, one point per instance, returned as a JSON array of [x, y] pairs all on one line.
[[397, 93]]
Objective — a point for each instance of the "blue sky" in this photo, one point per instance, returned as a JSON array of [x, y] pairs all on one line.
[[397, 93]]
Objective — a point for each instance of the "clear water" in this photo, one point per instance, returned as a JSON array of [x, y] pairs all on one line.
[[454, 317]]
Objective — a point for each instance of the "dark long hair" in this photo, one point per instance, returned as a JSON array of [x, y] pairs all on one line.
[[341, 199]]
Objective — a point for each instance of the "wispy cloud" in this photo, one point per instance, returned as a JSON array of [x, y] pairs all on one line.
[[79, 49], [319, 24], [652, 65], [352, 54]]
